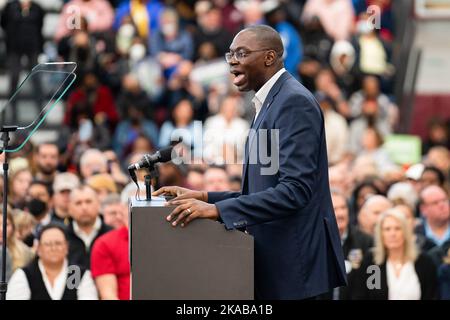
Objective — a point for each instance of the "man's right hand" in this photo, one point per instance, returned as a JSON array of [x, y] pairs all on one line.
[[181, 193]]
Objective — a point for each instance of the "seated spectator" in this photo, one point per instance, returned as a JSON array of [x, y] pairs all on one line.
[[170, 44], [405, 274], [171, 174], [342, 62], [144, 15], [369, 118], [46, 277], [355, 244], [435, 210], [103, 184], [423, 243], [372, 146], [225, 128], [98, 13], [182, 125], [326, 82], [19, 254], [20, 181], [336, 16], [316, 51], [373, 54], [39, 205], [85, 225], [110, 261], [363, 190], [432, 176], [195, 178], [371, 211], [62, 186], [252, 12], [387, 111], [336, 129], [386, 15], [210, 31], [79, 45], [216, 179], [133, 95], [24, 224], [339, 178], [45, 160], [113, 211], [95, 97], [439, 157], [130, 129], [276, 17], [185, 84], [403, 193], [92, 162], [437, 135], [235, 183], [114, 166], [84, 132]]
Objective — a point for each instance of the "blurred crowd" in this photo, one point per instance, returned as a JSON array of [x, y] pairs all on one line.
[[150, 72]]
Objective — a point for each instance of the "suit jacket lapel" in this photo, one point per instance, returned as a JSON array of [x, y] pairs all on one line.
[[253, 130]]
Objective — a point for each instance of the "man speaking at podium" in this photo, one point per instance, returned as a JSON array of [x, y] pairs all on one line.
[[289, 212]]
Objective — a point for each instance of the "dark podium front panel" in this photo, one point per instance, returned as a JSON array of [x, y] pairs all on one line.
[[202, 261]]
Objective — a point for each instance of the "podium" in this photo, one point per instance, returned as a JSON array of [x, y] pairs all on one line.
[[202, 261]]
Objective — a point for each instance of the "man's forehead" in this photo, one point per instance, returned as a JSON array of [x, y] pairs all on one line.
[[242, 40]]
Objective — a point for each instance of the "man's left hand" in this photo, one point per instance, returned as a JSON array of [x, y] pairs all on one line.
[[190, 209]]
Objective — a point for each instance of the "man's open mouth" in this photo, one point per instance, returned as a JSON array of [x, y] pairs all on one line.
[[239, 77]]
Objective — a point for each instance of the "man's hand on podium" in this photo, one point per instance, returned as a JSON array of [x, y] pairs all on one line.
[[190, 204], [181, 193], [190, 209]]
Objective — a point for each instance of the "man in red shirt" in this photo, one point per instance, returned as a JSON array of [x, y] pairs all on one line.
[[110, 266]]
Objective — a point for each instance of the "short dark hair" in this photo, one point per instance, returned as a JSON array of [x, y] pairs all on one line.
[[38, 147], [52, 225], [268, 37], [47, 186], [439, 173]]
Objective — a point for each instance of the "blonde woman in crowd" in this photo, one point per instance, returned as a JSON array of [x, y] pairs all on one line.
[[401, 272], [20, 254]]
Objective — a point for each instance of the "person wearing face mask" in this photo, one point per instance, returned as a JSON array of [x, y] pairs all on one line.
[[171, 44], [39, 205], [143, 14]]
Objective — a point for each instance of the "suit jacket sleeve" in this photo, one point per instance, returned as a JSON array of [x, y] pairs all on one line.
[[300, 125]]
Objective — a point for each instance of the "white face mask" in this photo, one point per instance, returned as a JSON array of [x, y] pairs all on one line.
[[125, 37], [169, 29], [137, 52], [363, 27]]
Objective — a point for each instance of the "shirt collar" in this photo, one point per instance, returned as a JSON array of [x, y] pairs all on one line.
[[429, 234], [80, 233], [262, 93]]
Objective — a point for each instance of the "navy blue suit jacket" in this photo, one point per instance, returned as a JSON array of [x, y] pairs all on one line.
[[298, 252]]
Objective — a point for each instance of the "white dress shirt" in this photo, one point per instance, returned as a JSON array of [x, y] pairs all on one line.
[[87, 238], [404, 287], [19, 289], [261, 95]]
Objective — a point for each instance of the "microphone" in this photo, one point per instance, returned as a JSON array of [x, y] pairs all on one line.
[[148, 160]]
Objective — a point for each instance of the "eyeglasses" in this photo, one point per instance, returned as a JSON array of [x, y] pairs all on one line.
[[240, 54]]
